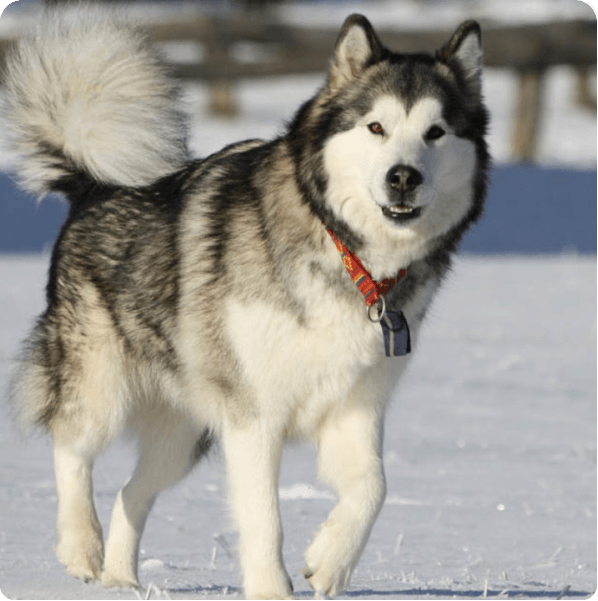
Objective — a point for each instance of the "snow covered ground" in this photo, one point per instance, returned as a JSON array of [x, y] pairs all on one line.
[[490, 458], [490, 444]]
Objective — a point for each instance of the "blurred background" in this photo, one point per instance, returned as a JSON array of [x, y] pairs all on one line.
[[490, 447], [246, 66]]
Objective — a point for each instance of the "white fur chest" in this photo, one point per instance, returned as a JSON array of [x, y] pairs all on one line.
[[299, 368]]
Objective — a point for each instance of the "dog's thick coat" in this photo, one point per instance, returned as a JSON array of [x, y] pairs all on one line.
[[196, 300]]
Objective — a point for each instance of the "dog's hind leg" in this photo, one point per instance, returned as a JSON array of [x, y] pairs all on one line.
[[91, 413], [80, 545], [169, 446]]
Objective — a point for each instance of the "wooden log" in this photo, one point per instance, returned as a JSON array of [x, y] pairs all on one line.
[[520, 47], [307, 49]]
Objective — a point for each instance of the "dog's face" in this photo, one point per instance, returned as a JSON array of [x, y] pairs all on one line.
[[399, 168], [398, 139]]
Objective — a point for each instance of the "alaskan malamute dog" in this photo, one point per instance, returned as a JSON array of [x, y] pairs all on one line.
[[269, 292]]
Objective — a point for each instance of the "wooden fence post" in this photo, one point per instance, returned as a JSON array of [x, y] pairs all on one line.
[[221, 93], [527, 115], [586, 93]]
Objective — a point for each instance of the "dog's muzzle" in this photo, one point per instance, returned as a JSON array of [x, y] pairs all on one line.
[[402, 182]]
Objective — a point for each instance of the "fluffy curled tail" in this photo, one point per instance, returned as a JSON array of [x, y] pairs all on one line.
[[86, 96]]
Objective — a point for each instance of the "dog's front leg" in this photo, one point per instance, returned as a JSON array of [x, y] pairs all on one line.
[[253, 454], [349, 450]]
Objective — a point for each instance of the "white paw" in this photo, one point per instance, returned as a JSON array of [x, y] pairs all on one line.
[[120, 568], [329, 561], [111, 580], [269, 586], [81, 555], [268, 595]]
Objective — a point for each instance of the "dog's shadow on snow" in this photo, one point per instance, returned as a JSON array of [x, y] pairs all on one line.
[[431, 593], [215, 589], [413, 593]]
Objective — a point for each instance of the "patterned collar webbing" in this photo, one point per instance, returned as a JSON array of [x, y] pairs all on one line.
[[370, 289]]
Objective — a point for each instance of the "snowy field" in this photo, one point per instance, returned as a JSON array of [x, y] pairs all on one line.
[[490, 447], [490, 459]]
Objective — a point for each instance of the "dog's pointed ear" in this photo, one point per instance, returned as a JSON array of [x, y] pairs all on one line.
[[356, 48], [465, 50]]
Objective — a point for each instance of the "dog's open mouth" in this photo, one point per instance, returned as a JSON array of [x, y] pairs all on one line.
[[399, 213]]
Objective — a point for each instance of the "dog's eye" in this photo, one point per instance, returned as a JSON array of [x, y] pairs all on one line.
[[434, 133], [376, 128]]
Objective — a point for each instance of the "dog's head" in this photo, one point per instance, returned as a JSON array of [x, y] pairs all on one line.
[[391, 151]]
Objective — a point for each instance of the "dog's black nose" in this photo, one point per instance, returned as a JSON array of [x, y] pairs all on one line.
[[403, 178]]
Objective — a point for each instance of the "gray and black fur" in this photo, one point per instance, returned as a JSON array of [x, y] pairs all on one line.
[[136, 333]]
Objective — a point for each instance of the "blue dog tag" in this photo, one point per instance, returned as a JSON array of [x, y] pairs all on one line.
[[397, 341]]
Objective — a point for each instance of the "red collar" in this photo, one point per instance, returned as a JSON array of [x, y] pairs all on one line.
[[370, 289]]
